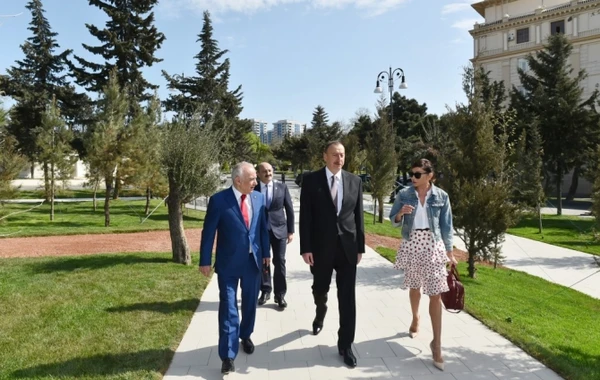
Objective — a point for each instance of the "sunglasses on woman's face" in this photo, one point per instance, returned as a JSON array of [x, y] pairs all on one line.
[[417, 175]]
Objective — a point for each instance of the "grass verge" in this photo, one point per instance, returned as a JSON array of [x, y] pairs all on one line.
[[383, 229], [94, 317], [564, 231], [556, 325], [80, 218]]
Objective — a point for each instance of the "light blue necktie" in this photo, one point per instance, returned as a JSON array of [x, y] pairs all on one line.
[[268, 198]]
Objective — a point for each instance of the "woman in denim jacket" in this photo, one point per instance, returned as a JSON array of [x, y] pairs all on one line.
[[425, 215]]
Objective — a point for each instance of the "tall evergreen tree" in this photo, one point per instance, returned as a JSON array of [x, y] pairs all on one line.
[[35, 80], [206, 94], [381, 157], [102, 142], [54, 142], [11, 162], [128, 43], [320, 134], [478, 175], [554, 96]]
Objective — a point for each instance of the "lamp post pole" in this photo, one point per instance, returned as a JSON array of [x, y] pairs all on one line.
[[399, 73]]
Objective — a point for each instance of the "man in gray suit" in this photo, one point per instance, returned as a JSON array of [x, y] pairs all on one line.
[[281, 233]]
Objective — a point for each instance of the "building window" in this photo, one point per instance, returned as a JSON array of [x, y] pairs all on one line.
[[557, 27], [522, 35], [523, 64]]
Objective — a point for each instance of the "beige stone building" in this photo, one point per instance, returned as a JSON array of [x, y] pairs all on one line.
[[514, 29]]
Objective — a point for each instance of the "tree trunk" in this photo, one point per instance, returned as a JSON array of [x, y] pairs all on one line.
[[380, 209], [117, 189], [559, 178], [94, 198], [471, 250], [374, 209], [107, 195], [147, 210], [52, 192], [574, 183], [46, 182], [539, 212], [32, 169], [179, 245]]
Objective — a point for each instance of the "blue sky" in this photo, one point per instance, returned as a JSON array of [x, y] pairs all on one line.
[[292, 55]]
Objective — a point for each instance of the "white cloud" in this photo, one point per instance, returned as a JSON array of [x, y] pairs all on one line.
[[465, 24], [372, 7]]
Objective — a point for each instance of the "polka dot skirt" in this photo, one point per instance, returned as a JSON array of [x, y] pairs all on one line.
[[424, 263]]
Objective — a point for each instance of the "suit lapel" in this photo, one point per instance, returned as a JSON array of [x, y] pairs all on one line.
[[345, 188], [234, 204], [255, 209]]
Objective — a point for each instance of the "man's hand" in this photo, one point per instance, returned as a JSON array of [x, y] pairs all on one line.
[[359, 258], [308, 258], [290, 238], [205, 270], [267, 261]]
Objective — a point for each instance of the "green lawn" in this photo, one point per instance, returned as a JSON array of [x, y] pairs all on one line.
[[80, 218], [565, 231], [384, 229], [554, 324], [115, 316]]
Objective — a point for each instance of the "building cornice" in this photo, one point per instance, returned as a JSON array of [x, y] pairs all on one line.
[[532, 48], [533, 17]]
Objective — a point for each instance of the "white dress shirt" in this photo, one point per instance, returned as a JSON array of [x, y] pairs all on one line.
[[263, 189], [340, 184], [238, 198], [421, 220]]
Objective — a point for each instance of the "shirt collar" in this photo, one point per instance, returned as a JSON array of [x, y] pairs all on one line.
[[270, 184], [237, 193], [329, 174]]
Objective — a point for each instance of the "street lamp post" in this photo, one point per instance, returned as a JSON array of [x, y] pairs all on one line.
[[390, 76]]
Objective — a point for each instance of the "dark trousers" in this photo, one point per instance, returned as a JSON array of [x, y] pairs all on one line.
[[345, 279], [278, 247]]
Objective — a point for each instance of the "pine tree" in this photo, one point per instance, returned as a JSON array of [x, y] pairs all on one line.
[[55, 150], [553, 95], [34, 81], [103, 141], [478, 175], [128, 43], [381, 157], [320, 135], [206, 94], [11, 162]]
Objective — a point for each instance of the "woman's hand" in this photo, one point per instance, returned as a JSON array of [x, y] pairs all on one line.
[[451, 258]]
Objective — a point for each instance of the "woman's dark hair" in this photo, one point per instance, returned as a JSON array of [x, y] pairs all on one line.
[[424, 164]]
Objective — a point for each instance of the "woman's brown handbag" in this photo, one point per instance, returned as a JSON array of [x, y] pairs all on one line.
[[454, 299]]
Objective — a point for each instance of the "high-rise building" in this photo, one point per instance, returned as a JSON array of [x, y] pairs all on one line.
[[285, 127], [259, 128]]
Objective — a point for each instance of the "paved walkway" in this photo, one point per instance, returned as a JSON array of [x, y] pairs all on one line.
[[286, 349]]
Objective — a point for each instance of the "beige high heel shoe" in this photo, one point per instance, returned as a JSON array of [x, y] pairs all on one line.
[[438, 365], [413, 331]]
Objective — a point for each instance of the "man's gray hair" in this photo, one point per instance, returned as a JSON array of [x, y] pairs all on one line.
[[238, 169]]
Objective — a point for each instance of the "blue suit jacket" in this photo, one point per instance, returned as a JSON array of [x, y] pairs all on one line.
[[234, 239]]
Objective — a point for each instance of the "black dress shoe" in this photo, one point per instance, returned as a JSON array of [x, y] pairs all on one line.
[[281, 302], [248, 346], [227, 366], [349, 357], [264, 297], [317, 326]]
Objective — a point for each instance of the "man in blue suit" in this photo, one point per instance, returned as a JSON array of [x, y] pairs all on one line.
[[281, 233], [238, 215]]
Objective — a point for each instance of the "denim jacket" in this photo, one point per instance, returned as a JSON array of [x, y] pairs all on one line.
[[439, 214]]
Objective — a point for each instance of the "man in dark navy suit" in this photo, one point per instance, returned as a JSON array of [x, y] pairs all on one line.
[[281, 233]]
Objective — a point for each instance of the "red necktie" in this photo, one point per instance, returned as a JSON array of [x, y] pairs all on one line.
[[245, 211]]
